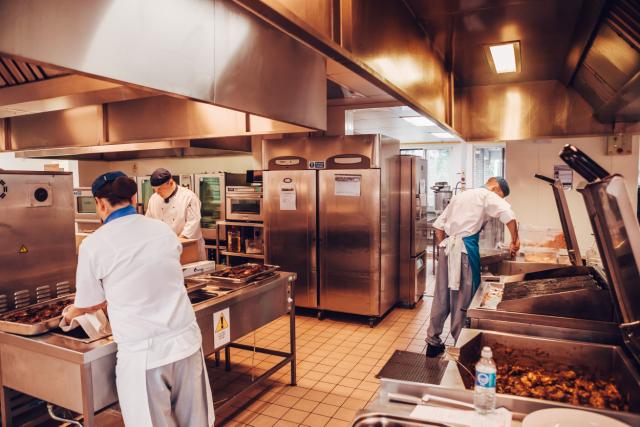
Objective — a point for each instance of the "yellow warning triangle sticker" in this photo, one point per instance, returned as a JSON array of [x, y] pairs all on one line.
[[23, 250], [222, 324]]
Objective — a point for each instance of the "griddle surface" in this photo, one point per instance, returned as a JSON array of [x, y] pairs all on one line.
[[532, 288], [416, 367]]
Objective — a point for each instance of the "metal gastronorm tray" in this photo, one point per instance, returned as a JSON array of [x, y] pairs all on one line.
[[269, 269], [33, 328]]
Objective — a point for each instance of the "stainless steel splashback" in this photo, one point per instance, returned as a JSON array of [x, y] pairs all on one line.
[[38, 252]]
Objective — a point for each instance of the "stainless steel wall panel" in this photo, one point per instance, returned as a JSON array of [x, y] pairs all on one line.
[[350, 242], [224, 55], [38, 245], [290, 235]]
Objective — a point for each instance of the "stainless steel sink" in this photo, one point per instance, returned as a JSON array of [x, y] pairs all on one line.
[[389, 420]]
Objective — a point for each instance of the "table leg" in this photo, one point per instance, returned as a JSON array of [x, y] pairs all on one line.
[[227, 358], [5, 407], [217, 355], [292, 330], [87, 396]]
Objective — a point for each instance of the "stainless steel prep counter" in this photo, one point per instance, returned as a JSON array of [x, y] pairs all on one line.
[[81, 376]]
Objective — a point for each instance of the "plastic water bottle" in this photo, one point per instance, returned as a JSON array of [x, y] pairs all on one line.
[[484, 396]]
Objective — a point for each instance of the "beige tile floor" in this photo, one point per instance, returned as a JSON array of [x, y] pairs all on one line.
[[336, 368]]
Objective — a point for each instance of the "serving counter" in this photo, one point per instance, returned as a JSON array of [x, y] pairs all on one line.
[[80, 376]]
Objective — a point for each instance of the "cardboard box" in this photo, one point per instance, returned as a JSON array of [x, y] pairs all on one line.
[[189, 251]]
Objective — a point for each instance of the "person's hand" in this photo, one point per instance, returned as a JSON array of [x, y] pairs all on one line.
[[514, 247], [71, 312]]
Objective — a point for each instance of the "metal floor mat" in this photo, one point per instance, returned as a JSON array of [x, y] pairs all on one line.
[[415, 367]]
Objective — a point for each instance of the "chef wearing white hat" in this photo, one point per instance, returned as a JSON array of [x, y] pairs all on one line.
[[132, 264]]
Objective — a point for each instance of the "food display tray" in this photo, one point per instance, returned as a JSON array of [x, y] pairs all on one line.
[[243, 281], [33, 328]]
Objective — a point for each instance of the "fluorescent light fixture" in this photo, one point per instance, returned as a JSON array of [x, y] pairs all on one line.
[[419, 121], [505, 57], [442, 135]]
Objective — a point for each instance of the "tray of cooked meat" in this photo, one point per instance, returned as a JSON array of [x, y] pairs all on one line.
[[35, 319], [243, 273], [561, 372]]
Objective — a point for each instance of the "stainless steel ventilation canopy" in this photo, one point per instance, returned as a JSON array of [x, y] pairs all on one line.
[[210, 51]]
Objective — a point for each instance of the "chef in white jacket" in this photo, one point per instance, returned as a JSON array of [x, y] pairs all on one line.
[[457, 235], [176, 206], [132, 264]]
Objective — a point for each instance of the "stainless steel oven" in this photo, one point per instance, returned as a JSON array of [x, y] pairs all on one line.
[[244, 203]]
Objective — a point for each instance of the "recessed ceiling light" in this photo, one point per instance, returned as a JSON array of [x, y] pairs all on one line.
[[442, 135], [419, 121], [504, 57]]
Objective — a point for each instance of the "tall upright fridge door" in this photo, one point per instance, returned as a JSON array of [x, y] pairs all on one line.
[[349, 219], [290, 228]]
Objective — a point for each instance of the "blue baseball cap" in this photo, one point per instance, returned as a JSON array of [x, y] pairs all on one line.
[[504, 185], [100, 181]]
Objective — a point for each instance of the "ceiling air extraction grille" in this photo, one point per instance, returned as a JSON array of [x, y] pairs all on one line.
[[13, 72]]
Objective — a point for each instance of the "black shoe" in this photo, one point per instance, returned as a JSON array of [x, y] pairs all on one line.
[[435, 350]]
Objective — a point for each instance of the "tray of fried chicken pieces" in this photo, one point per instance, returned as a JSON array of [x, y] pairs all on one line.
[[35, 319]]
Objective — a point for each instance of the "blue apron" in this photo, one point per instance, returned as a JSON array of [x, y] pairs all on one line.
[[127, 210], [471, 243]]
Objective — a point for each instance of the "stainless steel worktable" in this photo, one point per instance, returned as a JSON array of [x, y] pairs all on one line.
[[81, 376]]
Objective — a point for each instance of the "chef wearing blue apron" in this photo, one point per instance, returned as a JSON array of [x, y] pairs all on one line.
[[132, 264], [457, 235]]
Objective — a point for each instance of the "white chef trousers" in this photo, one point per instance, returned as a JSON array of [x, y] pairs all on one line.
[[447, 301], [178, 393]]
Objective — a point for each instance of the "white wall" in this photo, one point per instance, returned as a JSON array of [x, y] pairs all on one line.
[[532, 200], [8, 161]]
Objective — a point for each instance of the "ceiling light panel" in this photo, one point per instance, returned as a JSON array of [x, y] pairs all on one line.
[[505, 57], [419, 121]]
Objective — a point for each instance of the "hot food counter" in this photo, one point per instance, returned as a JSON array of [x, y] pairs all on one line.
[[79, 375]]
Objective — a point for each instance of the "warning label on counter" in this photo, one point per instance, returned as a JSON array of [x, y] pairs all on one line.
[[221, 328], [23, 250]]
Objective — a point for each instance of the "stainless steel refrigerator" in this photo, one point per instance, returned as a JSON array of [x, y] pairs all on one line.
[[331, 216], [413, 229]]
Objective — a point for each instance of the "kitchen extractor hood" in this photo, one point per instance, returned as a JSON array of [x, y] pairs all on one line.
[[155, 126], [58, 93], [146, 150], [210, 51], [609, 74]]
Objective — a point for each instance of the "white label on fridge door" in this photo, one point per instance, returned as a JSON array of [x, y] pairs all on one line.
[[423, 187], [287, 197], [347, 185], [221, 328]]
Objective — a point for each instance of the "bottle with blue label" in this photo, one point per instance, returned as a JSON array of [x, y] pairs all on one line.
[[484, 396]]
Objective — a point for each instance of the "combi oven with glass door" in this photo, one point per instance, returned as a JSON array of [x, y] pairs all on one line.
[[85, 210], [244, 203]]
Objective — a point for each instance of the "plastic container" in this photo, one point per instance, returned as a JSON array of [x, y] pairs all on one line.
[[484, 394], [253, 246], [542, 255]]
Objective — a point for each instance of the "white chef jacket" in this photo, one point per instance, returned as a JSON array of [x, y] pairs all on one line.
[[181, 213], [468, 211], [134, 263]]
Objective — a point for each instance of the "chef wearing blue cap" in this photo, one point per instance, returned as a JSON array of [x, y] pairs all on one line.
[[131, 265], [176, 206], [457, 234]]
